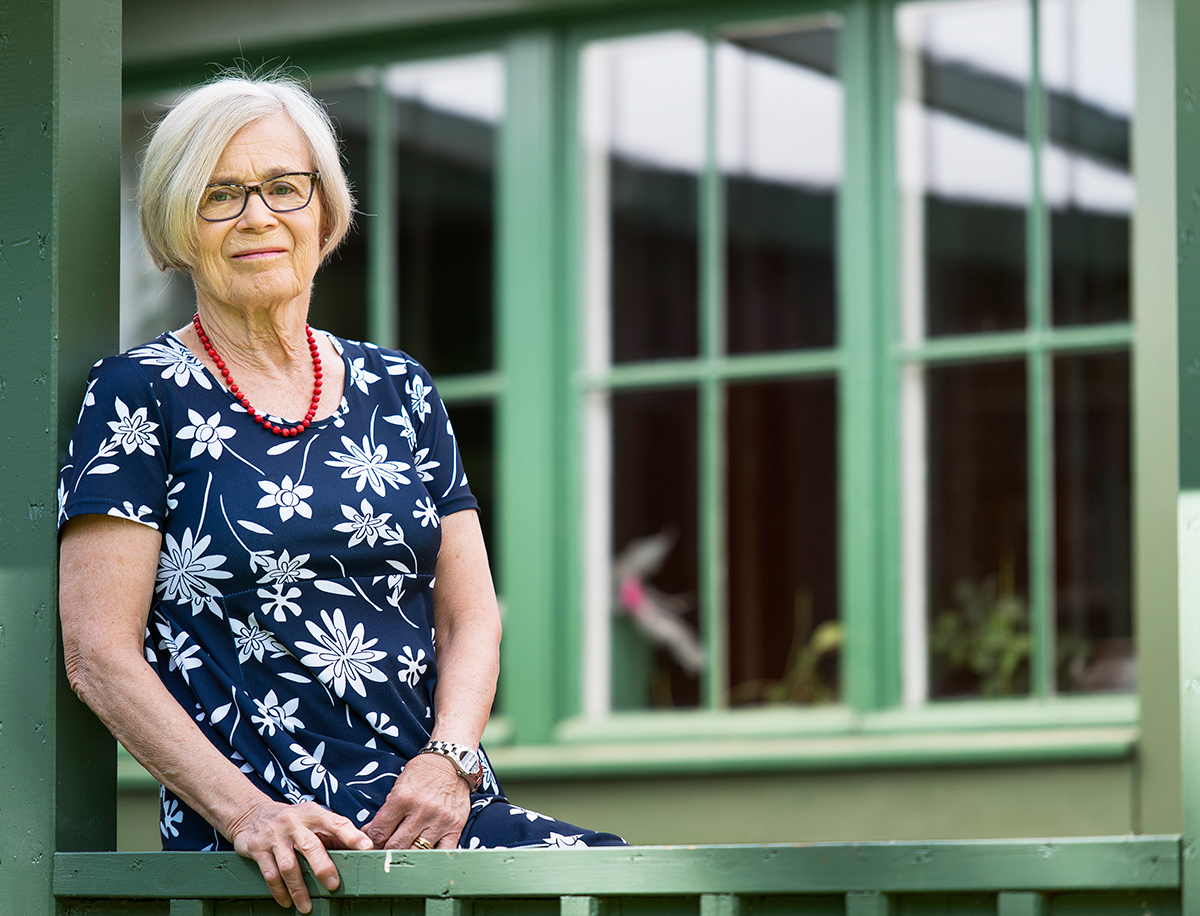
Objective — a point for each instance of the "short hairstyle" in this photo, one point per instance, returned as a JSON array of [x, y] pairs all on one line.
[[188, 142]]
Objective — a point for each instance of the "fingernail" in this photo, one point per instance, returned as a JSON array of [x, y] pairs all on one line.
[[331, 883], [365, 843]]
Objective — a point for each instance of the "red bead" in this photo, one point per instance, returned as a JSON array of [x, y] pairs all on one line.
[[285, 431]]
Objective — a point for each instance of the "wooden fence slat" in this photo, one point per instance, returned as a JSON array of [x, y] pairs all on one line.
[[869, 903], [570, 905], [720, 905], [192, 908]]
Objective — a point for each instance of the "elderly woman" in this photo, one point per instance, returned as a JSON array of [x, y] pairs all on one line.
[[274, 588]]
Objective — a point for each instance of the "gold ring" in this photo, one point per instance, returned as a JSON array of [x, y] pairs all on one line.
[[422, 843]]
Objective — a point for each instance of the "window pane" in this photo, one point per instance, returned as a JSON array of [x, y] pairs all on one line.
[[339, 296], [978, 530], [474, 430], [642, 122], [779, 120], [964, 165], [1092, 482], [654, 485], [446, 113], [781, 467], [1087, 68]]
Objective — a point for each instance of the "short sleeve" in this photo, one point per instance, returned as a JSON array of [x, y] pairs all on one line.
[[117, 461], [438, 460]]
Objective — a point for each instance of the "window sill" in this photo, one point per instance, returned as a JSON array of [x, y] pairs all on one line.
[[1094, 728], [963, 733]]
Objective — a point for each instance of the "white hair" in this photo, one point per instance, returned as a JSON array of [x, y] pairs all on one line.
[[189, 140]]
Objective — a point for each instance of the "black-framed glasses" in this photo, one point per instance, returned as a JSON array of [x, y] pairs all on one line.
[[282, 194]]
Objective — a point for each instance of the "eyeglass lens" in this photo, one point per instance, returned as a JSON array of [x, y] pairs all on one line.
[[282, 194]]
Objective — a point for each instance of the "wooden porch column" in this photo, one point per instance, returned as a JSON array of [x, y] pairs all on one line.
[[1187, 221], [60, 129]]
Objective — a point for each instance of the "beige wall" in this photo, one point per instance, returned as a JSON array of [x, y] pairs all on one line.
[[918, 804]]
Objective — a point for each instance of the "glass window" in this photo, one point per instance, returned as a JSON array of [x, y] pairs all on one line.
[[1015, 448], [693, 461]]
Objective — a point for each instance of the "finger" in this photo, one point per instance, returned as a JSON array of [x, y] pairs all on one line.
[[449, 841], [274, 878], [408, 830], [293, 878], [340, 833], [322, 866], [381, 827]]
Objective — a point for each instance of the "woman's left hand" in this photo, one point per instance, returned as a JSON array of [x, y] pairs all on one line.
[[429, 800]]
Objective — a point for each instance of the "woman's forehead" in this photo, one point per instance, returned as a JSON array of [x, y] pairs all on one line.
[[266, 147]]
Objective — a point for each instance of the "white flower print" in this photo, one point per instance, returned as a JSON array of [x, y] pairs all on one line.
[[559, 841], [427, 512], [418, 391], [173, 491], [361, 377], [279, 602], [183, 570], [381, 722], [532, 815], [344, 658], [89, 398], [253, 642], [370, 465], [288, 496], [281, 569], [206, 434], [319, 775], [133, 431], [171, 817], [425, 464], [413, 667], [397, 365], [62, 501], [406, 426], [273, 714], [363, 524], [181, 658], [180, 365], [295, 794]]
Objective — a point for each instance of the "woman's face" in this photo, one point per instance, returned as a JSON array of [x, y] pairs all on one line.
[[261, 259]]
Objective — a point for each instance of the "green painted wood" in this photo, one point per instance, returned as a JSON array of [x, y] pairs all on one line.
[[863, 655], [712, 597], [1039, 382], [721, 905], [59, 154], [1073, 339], [678, 372], [580, 906], [448, 906], [527, 428], [1022, 903], [1189, 703], [870, 903], [381, 222], [476, 386], [1047, 865], [888, 610], [1187, 203], [1155, 423], [192, 908]]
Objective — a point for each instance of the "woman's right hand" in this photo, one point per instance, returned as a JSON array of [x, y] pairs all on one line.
[[271, 833]]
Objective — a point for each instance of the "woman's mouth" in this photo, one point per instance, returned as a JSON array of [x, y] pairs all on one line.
[[257, 253]]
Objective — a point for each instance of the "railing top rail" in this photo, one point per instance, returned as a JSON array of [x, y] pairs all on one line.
[[1091, 863]]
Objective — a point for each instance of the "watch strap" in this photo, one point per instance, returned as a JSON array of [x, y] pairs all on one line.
[[466, 760]]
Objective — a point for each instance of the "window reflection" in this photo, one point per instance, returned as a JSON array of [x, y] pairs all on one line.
[[1093, 515], [643, 137], [445, 115], [654, 482], [783, 631], [779, 117], [978, 530], [964, 164], [1087, 70]]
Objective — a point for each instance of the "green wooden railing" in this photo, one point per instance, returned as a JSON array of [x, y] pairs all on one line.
[[59, 127], [1134, 875]]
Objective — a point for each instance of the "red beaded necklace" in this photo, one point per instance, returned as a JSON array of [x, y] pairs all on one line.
[[284, 431]]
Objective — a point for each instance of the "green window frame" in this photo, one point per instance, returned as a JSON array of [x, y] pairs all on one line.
[[536, 389]]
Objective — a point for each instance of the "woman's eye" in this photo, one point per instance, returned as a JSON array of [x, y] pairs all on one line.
[[219, 195], [282, 189]]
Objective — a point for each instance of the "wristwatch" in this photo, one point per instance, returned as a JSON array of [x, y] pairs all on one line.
[[465, 760]]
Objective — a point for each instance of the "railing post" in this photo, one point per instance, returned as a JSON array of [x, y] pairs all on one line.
[[720, 905], [869, 903], [60, 128], [580, 906], [1021, 903]]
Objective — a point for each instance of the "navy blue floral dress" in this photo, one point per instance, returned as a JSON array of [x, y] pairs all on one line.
[[292, 613]]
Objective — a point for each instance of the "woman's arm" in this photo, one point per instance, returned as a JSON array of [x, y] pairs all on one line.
[[106, 585], [429, 798]]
